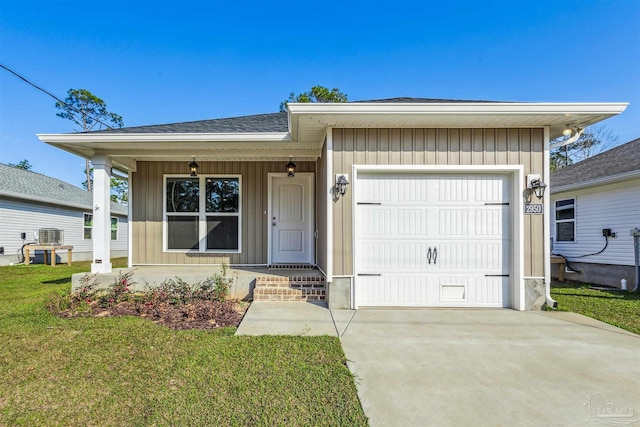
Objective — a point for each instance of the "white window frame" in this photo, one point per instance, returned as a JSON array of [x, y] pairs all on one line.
[[84, 227], [116, 229], [201, 214], [560, 221]]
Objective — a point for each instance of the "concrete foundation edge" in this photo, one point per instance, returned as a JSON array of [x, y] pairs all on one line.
[[598, 274], [534, 294], [339, 293]]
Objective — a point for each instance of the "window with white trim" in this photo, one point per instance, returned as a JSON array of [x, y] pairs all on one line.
[[87, 227], [566, 220], [114, 228], [202, 214]]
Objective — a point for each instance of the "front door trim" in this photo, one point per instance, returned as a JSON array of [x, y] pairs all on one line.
[[310, 242]]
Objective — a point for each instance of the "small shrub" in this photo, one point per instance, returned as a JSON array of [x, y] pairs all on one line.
[[220, 286], [119, 291], [87, 291]]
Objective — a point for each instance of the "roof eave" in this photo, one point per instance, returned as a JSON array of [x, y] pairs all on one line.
[[308, 118], [611, 179], [459, 107], [164, 137]]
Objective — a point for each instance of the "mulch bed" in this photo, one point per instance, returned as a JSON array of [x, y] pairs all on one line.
[[197, 315]]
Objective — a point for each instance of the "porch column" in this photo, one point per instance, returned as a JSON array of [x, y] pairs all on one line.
[[101, 232]]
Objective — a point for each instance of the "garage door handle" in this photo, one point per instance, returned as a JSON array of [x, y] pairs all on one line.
[[429, 255], [435, 255]]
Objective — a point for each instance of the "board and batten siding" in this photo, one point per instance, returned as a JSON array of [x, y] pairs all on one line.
[[147, 208], [614, 206], [19, 216], [436, 147]]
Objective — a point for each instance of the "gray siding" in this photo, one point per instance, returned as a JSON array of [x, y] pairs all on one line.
[[614, 206], [436, 147], [17, 216], [147, 226]]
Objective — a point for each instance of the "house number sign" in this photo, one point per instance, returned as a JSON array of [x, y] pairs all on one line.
[[533, 209]]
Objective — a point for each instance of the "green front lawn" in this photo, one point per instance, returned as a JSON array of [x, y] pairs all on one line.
[[128, 371], [621, 309]]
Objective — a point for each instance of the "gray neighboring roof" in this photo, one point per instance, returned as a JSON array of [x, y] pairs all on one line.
[[619, 160], [19, 183], [274, 122]]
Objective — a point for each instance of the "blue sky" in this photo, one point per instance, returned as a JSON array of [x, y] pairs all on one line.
[[167, 61]]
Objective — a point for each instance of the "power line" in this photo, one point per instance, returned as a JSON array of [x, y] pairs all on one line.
[[71, 107]]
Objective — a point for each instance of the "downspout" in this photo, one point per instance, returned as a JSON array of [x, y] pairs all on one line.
[[546, 221]]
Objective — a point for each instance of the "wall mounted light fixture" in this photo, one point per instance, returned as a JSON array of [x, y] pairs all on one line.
[[291, 168], [342, 182], [536, 186], [193, 167]]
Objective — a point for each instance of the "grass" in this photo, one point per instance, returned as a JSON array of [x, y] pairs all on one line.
[[621, 309], [128, 371]]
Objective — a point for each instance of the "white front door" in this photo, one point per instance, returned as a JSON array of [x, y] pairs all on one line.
[[432, 240], [291, 219]]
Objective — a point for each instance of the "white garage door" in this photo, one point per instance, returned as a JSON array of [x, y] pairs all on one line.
[[432, 240]]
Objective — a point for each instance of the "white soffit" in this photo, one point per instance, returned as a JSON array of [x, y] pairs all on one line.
[[308, 121]]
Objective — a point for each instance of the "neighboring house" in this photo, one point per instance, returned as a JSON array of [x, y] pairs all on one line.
[[433, 214], [30, 201], [596, 194]]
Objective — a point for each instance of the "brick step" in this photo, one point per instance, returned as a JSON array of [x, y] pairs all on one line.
[[294, 282], [268, 293], [294, 288]]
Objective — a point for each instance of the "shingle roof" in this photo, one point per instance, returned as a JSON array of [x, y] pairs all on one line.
[[404, 99], [14, 181], [618, 160], [274, 122]]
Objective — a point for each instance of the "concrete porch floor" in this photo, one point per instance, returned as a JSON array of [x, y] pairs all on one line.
[[243, 278]]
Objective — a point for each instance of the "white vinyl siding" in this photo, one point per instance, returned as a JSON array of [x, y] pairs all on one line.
[[17, 216], [614, 206], [87, 226]]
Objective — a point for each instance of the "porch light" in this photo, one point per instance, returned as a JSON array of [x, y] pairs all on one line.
[[538, 187], [193, 167], [341, 184], [291, 168]]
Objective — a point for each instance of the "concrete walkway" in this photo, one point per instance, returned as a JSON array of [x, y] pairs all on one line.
[[457, 367], [287, 318]]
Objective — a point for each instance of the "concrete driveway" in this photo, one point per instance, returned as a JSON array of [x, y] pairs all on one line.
[[491, 367]]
